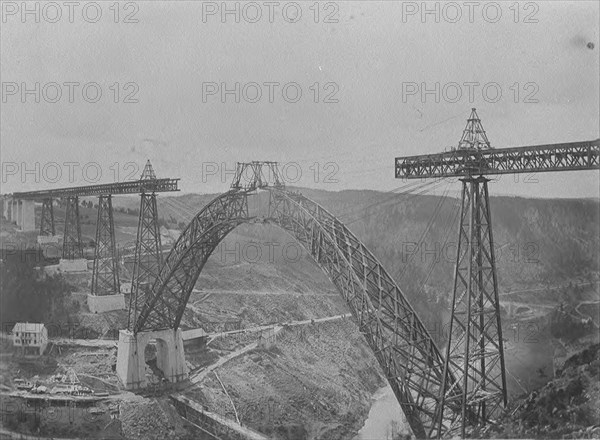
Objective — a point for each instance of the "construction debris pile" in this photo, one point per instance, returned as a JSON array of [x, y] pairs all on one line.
[[153, 419]]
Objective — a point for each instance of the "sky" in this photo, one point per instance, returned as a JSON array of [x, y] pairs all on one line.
[[334, 92]]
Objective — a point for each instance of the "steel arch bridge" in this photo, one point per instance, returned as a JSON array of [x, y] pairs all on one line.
[[403, 347]]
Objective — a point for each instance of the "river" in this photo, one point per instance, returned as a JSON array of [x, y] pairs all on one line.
[[385, 417]]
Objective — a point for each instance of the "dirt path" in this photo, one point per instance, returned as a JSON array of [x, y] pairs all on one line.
[[260, 292], [201, 375], [584, 316], [541, 289], [214, 336]]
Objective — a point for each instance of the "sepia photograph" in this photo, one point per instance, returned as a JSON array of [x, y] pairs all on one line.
[[299, 220]]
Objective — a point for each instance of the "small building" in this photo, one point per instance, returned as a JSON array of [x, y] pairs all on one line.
[[194, 337], [30, 338], [267, 338]]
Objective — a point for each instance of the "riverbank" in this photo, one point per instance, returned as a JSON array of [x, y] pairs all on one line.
[[386, 420]]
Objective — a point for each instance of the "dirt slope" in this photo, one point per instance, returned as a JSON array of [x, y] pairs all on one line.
[[566, 407]]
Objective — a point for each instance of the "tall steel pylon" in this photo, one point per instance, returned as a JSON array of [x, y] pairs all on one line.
[[72, 247], [47, 219], [105, 276], [474, 351], [148, 257]]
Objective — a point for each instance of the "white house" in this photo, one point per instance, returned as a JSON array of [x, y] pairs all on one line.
[[32, 338]]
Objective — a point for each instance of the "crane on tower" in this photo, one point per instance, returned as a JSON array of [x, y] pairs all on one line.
[[474, 353]]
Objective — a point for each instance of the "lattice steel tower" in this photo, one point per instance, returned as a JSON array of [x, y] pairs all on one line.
[[72, 246], [474, 350], [105, 276], [47, 219], [148, 257]]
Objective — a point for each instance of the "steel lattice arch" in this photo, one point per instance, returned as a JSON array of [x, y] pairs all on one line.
[[403, 347]]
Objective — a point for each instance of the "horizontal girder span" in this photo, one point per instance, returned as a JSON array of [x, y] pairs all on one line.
[[133, 187], [540, 158]]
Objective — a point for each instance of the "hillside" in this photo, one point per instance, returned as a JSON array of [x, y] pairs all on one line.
[[546, 251], [566, 407], [547, 254], [540, 244], [537, 241]]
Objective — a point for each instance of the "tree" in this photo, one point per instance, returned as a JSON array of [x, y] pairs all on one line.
[[26, 296], [162, 222]]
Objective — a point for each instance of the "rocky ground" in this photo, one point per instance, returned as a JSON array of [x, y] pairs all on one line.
[[315, 382], [566, 407], [154, 419]]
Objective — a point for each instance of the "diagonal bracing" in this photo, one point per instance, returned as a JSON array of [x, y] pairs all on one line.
[[47, 219], [474, 351], [72, 246], [148, 255], [403, 347], [105, 275]]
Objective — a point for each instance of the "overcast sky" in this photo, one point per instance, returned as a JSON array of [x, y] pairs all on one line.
[[373, 61]]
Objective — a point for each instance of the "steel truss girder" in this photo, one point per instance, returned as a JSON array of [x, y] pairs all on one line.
[[72, 246], [463, 162], [47, 219], [148, 256], [133, 187], [105, 275], [474, 352], [251, 175], [403, 347]]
